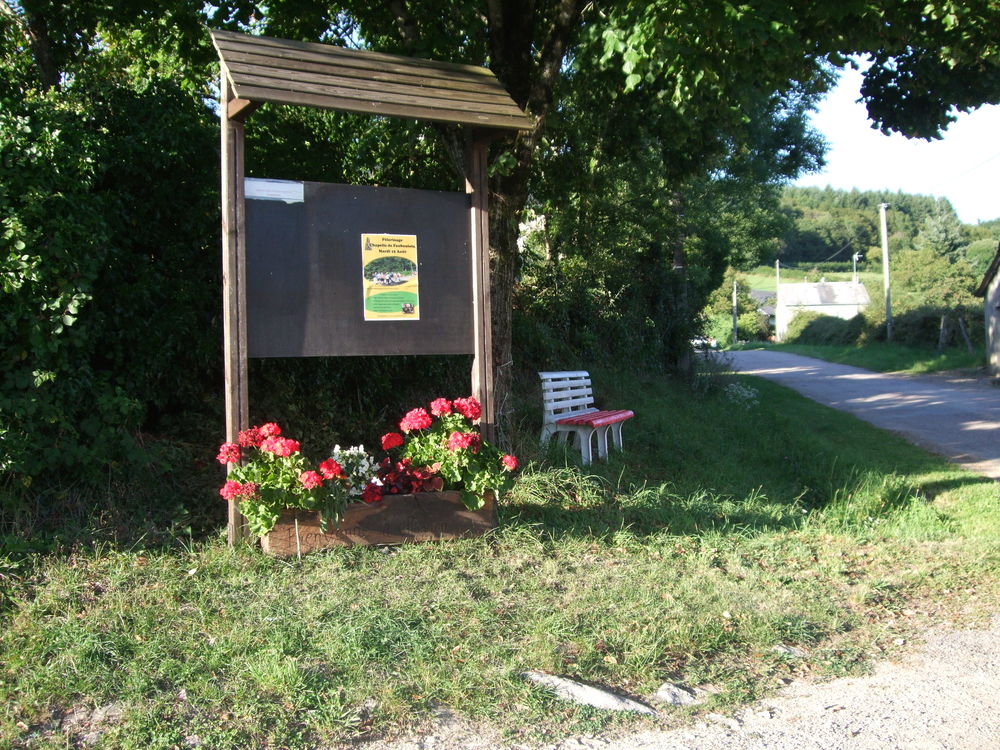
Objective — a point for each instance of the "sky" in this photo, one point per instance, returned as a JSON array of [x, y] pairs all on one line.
[[964, 166]]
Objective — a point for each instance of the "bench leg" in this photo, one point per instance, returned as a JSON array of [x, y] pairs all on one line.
[[602, 441], [616, 434], [585, 435]]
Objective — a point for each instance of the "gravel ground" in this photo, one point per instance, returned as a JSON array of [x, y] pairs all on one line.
[[943, 695]]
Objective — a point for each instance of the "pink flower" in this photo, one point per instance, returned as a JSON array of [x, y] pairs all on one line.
[[372, 493], [249, 489], [270, 430], [416, 419], [440, 407], [391, 440], [229, 453], [231, 489], [330, 469], [468, 408], [250, 438], [461, 440], [509, 462], [310, 479]]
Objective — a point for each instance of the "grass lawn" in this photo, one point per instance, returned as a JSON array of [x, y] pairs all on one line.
[[736, 520], [882, 357], [762, 277]]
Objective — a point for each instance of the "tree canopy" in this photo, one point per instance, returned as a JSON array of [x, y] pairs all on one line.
[[663, 132]]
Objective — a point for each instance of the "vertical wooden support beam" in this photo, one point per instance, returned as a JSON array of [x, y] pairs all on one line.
[[477, 186], [234, 286]]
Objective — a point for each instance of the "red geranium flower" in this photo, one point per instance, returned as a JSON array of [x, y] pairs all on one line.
[[231, 489], [249, 489], [468, 408], [330, 469], [461, 440], [250, 438], [391, 440], [229, 453], [372, 493], [270, 430], [509, 462], [310, 479], [440, 407], [416, 419], [280, 446]]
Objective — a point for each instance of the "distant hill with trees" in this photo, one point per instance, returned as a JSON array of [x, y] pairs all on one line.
[[828, 225]]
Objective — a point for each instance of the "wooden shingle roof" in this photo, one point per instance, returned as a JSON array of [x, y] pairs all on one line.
[[264, 69]]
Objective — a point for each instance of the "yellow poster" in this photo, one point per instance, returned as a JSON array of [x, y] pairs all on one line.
[[389, 263]]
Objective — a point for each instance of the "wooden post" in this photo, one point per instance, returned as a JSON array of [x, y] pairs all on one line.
[[477, 186], [233, 286]]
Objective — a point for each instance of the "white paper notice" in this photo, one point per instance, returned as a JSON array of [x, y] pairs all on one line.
[[274, 190]]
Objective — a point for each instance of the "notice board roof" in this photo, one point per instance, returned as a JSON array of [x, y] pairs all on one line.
[[264, 69]]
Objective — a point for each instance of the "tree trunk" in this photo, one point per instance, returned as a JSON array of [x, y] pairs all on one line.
[[965, 334], [508, 197], [36, 31], [944, 333]]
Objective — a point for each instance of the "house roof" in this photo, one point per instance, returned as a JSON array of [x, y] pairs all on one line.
[[990, 273], [264, 69], [823, 293]]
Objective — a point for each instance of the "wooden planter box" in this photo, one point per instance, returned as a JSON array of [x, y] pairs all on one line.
[[397, 519]]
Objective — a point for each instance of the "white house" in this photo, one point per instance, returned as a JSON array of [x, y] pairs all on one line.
[[839, 299], [989, 290]]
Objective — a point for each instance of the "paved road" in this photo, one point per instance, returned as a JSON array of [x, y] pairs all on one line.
[[957, 418]]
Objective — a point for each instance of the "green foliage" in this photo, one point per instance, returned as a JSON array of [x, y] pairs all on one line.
[[751, 323], [105, 316], [980, 254], [926, 278], [814, 328], [828, 224], [927, 58]]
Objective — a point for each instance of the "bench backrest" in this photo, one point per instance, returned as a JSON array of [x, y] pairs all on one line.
[[566, 393]]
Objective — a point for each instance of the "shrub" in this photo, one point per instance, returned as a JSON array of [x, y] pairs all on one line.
[[108, 205], [815, 328]]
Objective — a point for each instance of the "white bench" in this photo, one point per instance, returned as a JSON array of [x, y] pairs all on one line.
[[569, 410]]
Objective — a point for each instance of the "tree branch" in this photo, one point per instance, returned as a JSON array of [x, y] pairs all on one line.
[[405, 22], [35, 31], [550, 61]]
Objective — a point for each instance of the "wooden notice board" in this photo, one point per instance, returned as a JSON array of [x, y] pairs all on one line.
[[306, 283]]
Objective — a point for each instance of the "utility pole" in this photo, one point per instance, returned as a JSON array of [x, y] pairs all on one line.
[[856, 257], [885, 271], [735, 316]]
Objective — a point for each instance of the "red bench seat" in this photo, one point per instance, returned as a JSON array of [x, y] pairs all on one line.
[[598, 418]]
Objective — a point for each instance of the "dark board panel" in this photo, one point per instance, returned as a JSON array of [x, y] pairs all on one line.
[[304, 273]]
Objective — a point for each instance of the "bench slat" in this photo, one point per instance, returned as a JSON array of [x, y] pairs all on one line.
[[564, 374], [555, 387], [563, 395], [569, 403]]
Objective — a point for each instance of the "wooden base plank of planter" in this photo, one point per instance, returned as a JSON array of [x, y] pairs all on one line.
[[397, 519]]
